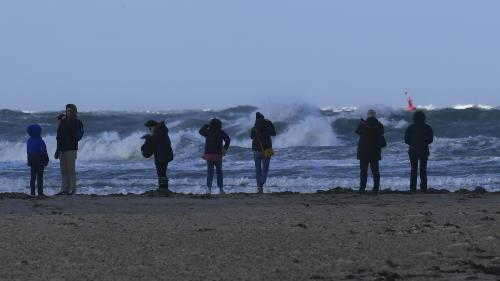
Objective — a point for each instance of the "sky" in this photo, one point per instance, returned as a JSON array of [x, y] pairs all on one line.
[[161, 54]]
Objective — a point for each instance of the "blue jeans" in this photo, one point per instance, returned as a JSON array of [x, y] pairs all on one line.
[[210, 176], [261, 167]]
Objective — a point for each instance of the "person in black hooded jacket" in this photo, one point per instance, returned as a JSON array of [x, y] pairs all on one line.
[[69, 133], [418, 136], [216, 144], [369, 153], [158, 143], [262, 145]]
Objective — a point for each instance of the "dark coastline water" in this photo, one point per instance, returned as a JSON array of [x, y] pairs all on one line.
[[315, 149]]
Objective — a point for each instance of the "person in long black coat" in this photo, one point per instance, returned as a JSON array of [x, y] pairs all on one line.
[[158, 143], [216, 144], [418, 136], [369, 153]]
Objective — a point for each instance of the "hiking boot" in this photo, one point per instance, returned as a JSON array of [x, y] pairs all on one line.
[[163, 186], [260, 190]]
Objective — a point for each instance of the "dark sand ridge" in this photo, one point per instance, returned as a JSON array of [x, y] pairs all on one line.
[[337, 235]]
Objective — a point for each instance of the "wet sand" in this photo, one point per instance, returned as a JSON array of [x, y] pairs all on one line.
[[336, 236]]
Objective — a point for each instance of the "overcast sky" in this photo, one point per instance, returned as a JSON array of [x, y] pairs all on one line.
[[148, 54]]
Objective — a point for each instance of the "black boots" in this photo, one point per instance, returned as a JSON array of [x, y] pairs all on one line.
[[163, 186]]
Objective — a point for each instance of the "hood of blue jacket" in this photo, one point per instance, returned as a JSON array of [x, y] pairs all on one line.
[[35, 131]]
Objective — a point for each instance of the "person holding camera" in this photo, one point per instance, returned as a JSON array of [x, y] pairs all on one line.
[[69, 133]]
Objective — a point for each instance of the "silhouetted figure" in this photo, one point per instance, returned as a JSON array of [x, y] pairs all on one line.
[[418, 136], [370, 144], [38, 158], [69, 133], [157, 143], [216, 144], [262, 147]]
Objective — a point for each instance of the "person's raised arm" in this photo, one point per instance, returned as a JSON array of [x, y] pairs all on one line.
[[204, 130], [360, 127], [408, 135], [227, 140], [270, 128]]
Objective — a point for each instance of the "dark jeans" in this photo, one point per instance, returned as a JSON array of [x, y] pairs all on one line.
[[210, 176], [261, 167], [414, 160], [161, 171], [36, 176], [363, 165]]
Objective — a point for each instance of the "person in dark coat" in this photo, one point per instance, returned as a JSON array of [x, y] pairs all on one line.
[[38, 158], [369, 153], [418, 136], [69, 133], [262, 145], [216, 144], [158, 143]]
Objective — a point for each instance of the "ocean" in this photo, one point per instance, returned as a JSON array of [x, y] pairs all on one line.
[[315, 149]]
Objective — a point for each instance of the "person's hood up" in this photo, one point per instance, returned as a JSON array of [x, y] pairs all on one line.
[[150, 123], [372, 122], [215, 124], [161, 128], [260, 124], [35, 131], [419, 117]]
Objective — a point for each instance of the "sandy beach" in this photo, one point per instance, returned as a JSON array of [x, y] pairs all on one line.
[[328, 236]]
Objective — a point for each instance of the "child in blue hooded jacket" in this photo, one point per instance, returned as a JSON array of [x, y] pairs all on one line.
[[37, 158]]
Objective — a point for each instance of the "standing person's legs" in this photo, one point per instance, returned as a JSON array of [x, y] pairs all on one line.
[[210, 174], [161, 171], [33, 179], [257, 157], [423, 173], [265, 171], [374, 164], [363, 176], [71, 168], [39, 180], [220, 178], [64, 172], [414, 171]]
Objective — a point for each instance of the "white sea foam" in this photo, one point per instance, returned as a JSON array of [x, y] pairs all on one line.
[[247, 185], [467, 106]]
